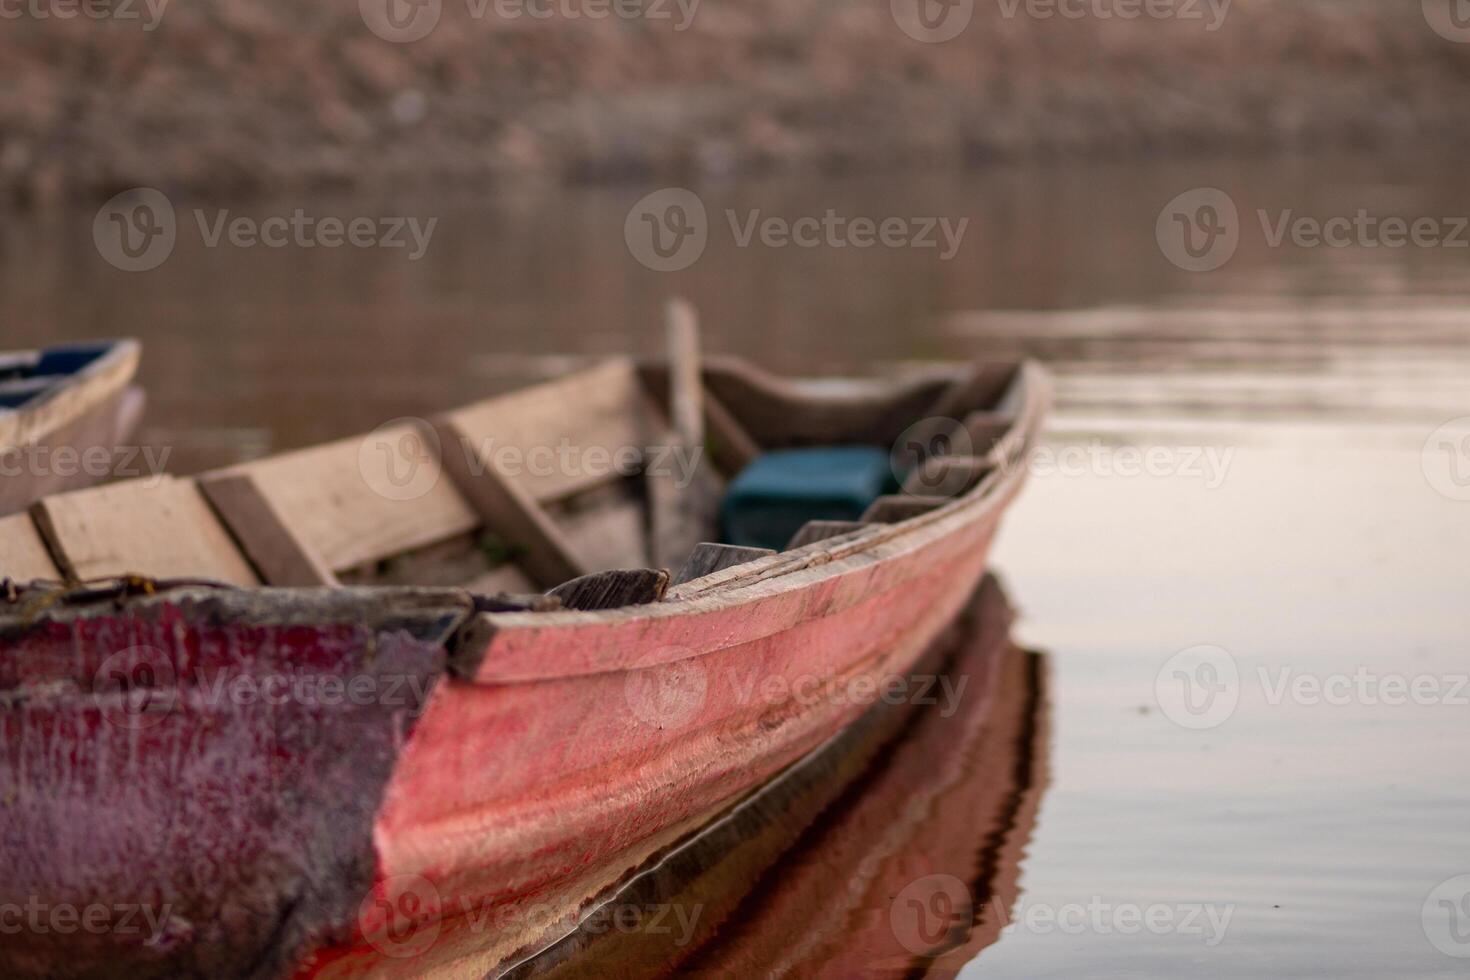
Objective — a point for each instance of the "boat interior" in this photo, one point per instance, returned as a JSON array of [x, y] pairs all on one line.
[[622, 466]]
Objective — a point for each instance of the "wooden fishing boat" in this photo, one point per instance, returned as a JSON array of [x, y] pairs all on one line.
[[74, 399], [313, 715]]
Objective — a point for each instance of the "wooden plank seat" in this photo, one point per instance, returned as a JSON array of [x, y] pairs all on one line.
[[375, 509], [155, 527], [23, 555], [579, 474]]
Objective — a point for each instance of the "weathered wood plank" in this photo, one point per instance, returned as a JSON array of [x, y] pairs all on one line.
[[507, 510], [979, 390], [729, 445], [23, 555], [357, 500], [607, 527], [986, 429], [813, 531], [947, 476], [155, 527], [900, 507], [709, 557], [613, 590], [779, 412], [276, 552], [563, 437], [507, 579], [686, 411]]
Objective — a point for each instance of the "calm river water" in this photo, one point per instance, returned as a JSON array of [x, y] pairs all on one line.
[[1240, 491]]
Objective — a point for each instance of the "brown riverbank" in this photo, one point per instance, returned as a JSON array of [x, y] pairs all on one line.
[[223, 96]]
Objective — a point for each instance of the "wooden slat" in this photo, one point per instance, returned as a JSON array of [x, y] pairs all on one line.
[[814, 531], [609, 530], [686, 412], [506, 509], [947, 476], [340, 515], [900, 507], [709, 557], [731, 445], [979, 390], [23, 555], [985, 429], [507, 579], [614, 589], [154, 527], [277, 553], [603, 409], [681, 516], [779, 412]]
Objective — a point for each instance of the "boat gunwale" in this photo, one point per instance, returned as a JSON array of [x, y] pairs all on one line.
[[738, 585]]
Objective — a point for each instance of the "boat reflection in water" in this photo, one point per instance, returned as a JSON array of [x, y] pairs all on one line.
[[892, 850]]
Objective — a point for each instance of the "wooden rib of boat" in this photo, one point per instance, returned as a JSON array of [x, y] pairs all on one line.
[[235, 712], [77, 398]]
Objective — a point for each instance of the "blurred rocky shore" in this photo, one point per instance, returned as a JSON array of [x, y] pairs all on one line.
[[238, 96]]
